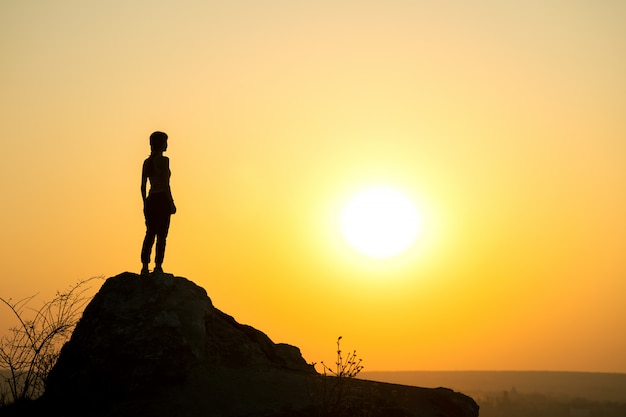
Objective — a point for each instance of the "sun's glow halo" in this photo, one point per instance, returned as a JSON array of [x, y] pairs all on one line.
[[380, 222]]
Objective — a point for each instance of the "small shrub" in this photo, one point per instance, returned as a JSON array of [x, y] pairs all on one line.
[[32, 347], [348, 367], [331, 393]]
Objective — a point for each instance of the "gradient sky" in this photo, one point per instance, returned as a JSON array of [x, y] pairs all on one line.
[[504, 122]]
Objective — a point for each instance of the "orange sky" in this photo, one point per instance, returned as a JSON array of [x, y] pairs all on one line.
[[504, 123]]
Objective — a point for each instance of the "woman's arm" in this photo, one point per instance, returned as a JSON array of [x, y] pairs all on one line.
[[144, 181]]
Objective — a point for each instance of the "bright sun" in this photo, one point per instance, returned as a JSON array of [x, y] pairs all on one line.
[[380, 222]]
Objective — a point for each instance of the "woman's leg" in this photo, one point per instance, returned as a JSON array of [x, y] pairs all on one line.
[[161, 240], [162, 225], [151, 232], [146, 249]]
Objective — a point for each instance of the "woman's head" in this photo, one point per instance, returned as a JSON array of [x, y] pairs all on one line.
[[158, 141]]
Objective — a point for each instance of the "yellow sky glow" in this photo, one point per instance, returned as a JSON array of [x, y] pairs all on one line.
[[503, 122]]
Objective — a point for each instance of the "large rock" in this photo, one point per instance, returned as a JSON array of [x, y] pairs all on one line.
[[156, 346]]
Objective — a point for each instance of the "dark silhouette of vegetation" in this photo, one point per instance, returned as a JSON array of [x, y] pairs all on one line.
[[331, 391], [32, 347], [348, 367]]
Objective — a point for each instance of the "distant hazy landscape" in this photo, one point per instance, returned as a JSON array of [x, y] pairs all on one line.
[[520, 393], [592, 386]]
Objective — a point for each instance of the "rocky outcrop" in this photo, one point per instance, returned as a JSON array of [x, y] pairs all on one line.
[[156, 346]]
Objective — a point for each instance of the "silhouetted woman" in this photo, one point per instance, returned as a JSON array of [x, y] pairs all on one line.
[[158, 205]]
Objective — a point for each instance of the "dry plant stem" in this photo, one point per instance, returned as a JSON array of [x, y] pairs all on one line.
[[348, 367], [333, 399], [32, 347]]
